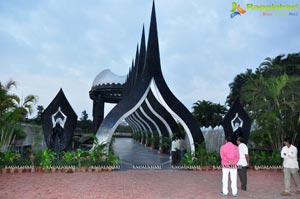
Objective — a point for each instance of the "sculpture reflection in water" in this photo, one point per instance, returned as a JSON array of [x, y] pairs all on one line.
[[56, 138]]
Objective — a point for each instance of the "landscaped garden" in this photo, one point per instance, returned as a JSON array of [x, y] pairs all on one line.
[[49, 161], [203, 160], [13, 112], [273, 88]]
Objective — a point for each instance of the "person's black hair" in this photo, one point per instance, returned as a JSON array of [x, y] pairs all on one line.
[[241, 139], [228, 139], [288, 140]]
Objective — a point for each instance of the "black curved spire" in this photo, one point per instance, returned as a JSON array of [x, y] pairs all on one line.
[[128, 84], [142, 56], [136, 62], [152, 65]]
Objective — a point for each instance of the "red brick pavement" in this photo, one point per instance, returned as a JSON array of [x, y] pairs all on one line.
[[136, 184]]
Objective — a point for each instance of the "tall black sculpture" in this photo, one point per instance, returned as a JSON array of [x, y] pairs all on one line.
[[145, 87], [59, 122], [237, 123]]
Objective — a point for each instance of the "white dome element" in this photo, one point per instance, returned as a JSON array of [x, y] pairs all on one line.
[[108, 77]]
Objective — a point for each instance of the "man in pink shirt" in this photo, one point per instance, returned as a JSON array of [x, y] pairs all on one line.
[[229, 158]]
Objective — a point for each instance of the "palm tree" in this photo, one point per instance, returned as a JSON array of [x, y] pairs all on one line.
[[208, 113], [6, 126], [6, 100], [280, 65], [237, 84], [23, 108], [292, 63], [13, 110], [271, 96], [272, 67], [274, 103]]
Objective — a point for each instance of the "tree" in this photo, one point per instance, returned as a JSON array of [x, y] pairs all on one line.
[[274, 103], [124, 128], [38, 118], [84, 123], [6, 100], [208, 113], [24, 107], [236, 86], [271, 97], [13, 110], [84, 116], [40, 110], [280, 65]]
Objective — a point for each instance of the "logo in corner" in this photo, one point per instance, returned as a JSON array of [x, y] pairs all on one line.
[[236, 10]]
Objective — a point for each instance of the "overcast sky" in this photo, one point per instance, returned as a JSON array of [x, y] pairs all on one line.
[[46, 45]]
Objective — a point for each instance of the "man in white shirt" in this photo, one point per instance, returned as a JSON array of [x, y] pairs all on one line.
[[290, 167], [178, 142], [174, 151], [243, 162]]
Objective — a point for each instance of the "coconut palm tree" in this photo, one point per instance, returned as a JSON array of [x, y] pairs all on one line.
[[13, 110], [6, 100], [6, 127], [280, 65], [23, 107], [14, 106], [274, 103], [271, 96]]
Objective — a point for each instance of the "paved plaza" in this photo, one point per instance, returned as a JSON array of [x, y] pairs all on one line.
[[134, 155], [135, 183]]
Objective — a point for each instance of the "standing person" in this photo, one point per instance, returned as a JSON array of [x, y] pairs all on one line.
[[243, 162], [290, 166], [178, 142], [229, 159], [173, 151], [182, 147]]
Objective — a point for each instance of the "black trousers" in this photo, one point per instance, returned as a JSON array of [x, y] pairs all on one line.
[[242, 172], [174, 157], [178, 156]]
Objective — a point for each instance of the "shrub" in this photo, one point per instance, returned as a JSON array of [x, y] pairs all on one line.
[[188, 159], [69, 158], [47, 158]]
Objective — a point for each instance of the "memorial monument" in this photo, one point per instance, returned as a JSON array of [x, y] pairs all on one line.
[[237, 122], [59, 122], [146, 102]]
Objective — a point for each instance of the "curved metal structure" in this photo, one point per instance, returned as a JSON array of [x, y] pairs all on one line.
[[147, 100]]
